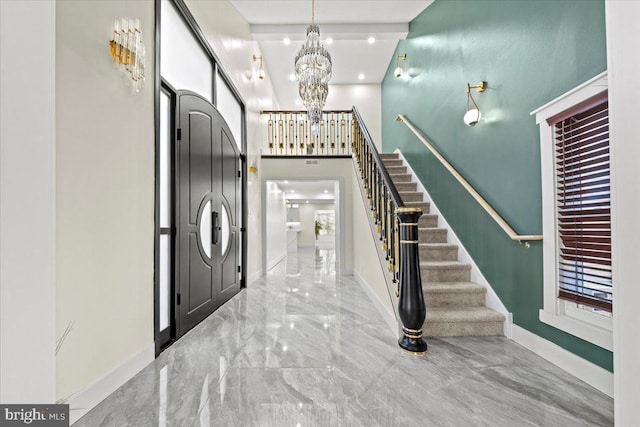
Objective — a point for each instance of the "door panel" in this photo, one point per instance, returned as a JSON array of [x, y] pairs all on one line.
[[196, 184], [206, 180], [230, 284]]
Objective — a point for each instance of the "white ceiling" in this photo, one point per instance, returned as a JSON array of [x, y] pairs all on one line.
[[348, 23], [314, 191]]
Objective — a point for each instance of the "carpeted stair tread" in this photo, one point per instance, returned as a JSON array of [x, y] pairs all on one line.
[[406, 186], [410, 196], [451, 287], [396, 170], [392, 162], [432, 234], [399, 177], [390, 156], [463, 314], [445, 265], [438, 251], [425, 206], [427, 220]]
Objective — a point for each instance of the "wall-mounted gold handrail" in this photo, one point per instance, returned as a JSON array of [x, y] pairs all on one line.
[[487, 207]]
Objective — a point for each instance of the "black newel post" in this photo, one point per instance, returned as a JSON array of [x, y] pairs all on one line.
[[411, 305]]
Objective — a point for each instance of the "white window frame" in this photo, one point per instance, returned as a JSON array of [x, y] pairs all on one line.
[[561, 314]]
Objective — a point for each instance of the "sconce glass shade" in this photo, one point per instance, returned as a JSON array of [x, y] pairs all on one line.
[[261, 74], [400, 62], [472, 117]]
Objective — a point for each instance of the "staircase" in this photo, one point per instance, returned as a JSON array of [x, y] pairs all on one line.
[[455, 305]]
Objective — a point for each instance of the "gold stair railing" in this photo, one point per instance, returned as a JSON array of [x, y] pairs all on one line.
[[289, 134], [397, 226], [472, 191]]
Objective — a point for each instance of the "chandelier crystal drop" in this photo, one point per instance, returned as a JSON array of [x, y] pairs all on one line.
[[313, 72]]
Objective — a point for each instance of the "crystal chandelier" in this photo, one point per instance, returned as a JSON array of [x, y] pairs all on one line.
[[313, 72]]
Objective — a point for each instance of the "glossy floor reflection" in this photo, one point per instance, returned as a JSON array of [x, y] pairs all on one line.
[[306, 347]]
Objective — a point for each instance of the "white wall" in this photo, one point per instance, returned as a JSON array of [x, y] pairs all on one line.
[[367, 266], [368, 101], [307, 235], [27, 202], [275, 209], [228, 34], [105, 195], [324, 169], [624, 92]]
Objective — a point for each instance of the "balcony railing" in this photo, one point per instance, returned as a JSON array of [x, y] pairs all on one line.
[[289, 134]]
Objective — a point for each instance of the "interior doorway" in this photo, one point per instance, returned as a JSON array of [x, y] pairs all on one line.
[[301, 214]]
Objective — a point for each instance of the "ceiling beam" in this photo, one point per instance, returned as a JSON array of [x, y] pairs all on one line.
[[296, 32]]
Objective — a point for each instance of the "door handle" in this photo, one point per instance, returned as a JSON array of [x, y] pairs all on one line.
[[214, 227]]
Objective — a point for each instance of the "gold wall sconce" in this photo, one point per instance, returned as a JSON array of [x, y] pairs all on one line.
[[253, 169], [473, 115], [127, 51], [399, 71], [260, 69]]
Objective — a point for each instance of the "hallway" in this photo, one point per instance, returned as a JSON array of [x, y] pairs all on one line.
[[304, 346]]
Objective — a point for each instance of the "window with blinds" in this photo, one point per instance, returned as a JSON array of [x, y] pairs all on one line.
[[583, 199]]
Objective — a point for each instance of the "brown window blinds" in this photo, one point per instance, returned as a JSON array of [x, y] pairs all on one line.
[[584, 203]]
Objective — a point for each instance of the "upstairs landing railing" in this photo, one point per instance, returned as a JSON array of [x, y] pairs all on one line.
[[289, 134]]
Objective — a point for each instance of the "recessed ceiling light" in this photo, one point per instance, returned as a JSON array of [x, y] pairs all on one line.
[[292, 77], [286, 182], [371, 40], [291, 191], [298, 102], [326, 191], [286, 41], [307, 201], [361, 76], [329, 40]]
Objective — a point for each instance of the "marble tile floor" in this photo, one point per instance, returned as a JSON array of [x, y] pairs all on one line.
[[304, 346]]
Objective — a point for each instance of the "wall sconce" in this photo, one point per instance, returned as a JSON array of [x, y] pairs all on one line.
[[260, 70], [127, 51], [400, 68], [253, 168], [472, 116]]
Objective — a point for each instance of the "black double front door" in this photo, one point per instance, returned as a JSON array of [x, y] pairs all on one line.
[[207, 211]]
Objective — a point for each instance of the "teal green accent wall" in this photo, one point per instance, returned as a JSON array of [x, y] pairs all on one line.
[[529, 52]]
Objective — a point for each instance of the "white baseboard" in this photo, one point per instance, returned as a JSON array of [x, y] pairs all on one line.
[[276, 261], [86, 399], [253, 277], [389, 318], [584, 370], [492, 300]]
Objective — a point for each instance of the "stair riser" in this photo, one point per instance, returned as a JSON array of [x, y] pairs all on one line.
[[392, 162], [454, 299], [397, 169], [428, 221], [400, 178], [433, 236], [454, 329], [406, 186], [425, 206], [445, 275], [410, 197], [438, 254]]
